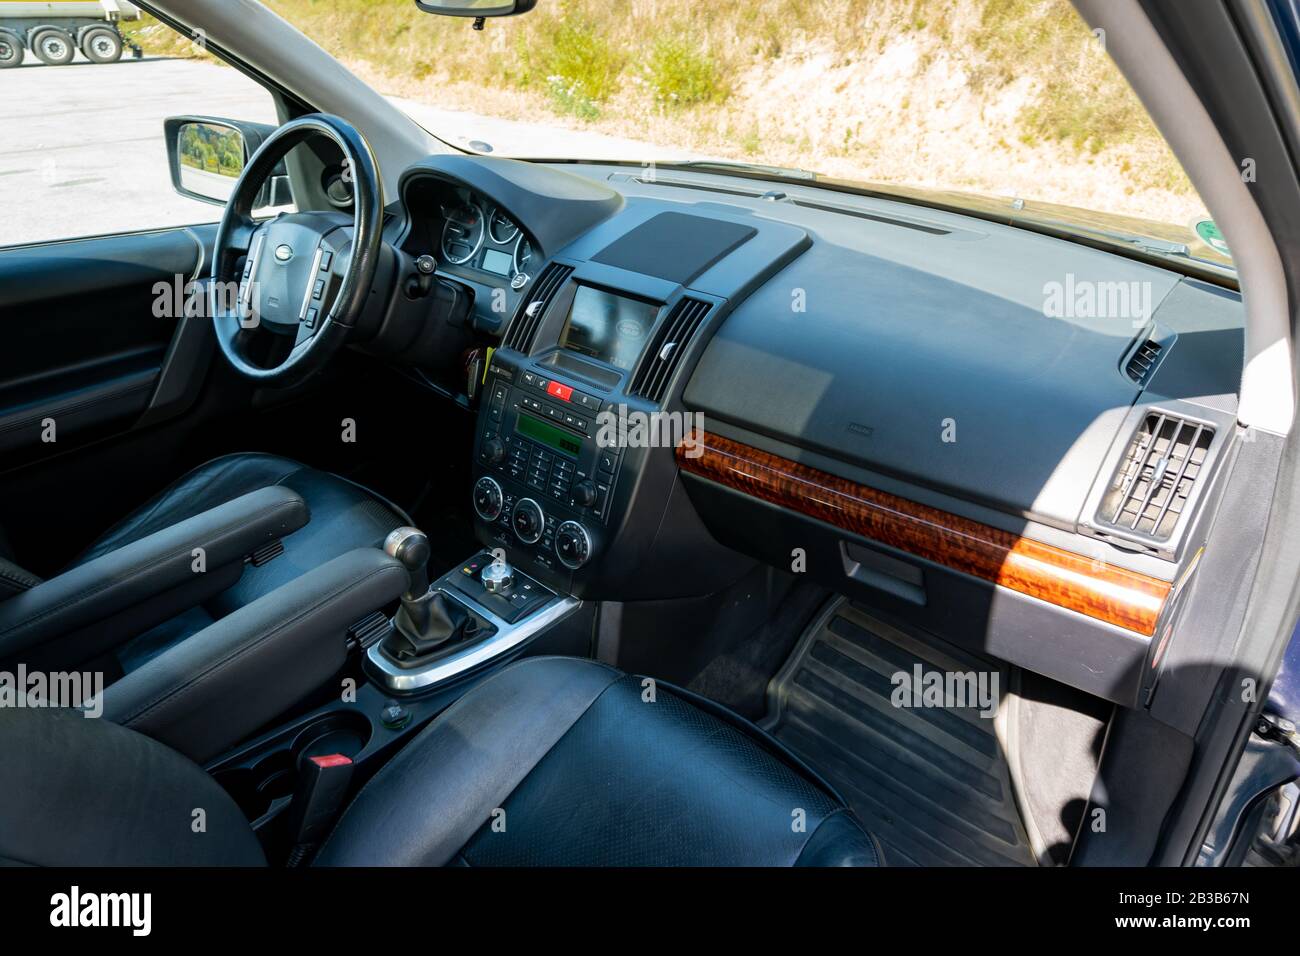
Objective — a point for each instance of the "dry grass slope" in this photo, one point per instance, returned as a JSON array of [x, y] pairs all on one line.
[[995, 96]]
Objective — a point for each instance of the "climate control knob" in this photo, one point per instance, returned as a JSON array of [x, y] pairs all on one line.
[[572, 545], [488, 500], [528, 520]]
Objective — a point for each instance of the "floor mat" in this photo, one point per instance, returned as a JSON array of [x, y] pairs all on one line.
[[931, 782]]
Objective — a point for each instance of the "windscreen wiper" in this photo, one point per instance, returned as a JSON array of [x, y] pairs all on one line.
[[756, 169], [1147, 244]]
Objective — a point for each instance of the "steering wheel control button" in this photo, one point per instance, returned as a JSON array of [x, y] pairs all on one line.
[[498, 577], [528, 520], [488, 500], [572, 545]]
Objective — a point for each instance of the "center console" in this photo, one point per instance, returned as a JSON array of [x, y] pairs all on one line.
[[575, 479], [485, 611], [574, 423]]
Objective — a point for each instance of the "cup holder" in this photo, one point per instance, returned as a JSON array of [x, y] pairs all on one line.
[[255, 788], [346, 732], [273, 776]]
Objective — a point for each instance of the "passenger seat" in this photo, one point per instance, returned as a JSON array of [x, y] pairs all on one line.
[[550, 762]]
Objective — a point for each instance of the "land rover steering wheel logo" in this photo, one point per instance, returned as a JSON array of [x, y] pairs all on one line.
[[283, 252]]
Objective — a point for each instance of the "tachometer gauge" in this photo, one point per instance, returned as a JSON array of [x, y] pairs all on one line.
[[501, 229], [463, 234], [523, 253]]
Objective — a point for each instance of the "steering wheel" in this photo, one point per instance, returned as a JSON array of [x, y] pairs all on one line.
[[306, 276]]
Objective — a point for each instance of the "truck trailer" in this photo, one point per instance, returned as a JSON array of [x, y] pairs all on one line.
[[55, 31]]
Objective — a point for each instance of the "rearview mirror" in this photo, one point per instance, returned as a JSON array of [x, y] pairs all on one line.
[[476, 8]]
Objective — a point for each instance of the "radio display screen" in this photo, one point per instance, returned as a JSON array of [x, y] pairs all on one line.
[[547, 434], [608, 327]]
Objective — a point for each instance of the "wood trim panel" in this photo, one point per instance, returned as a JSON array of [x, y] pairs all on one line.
[[1101, 591]]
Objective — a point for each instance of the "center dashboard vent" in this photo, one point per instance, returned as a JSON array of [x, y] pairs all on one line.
[[523, 329], [667, 348], [1143, 361], [1156, 476]]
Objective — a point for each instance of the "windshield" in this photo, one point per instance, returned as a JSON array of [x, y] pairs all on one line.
[[1001, 105]]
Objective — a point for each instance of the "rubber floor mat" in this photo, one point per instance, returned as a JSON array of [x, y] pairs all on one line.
[[931, 782]]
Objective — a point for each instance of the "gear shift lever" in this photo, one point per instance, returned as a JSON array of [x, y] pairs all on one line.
[[427, 620], [411, 547]]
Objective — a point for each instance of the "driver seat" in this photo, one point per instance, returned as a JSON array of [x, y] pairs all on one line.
[[344, 516]]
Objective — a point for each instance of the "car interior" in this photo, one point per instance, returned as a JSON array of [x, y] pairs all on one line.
[[554, 513]]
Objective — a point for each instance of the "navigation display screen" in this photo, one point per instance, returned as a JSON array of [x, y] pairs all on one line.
[[608, 327]]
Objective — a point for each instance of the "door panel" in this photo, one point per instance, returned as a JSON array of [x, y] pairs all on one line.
[[96, 342]]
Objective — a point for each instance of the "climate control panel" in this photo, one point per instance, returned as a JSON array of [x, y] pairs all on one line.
[[544, 485], [564, 539]]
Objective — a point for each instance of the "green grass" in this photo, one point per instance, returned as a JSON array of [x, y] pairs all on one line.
[[681, 73], [580, 66]]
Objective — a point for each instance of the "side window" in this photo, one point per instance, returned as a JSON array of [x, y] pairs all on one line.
[[82, 107]]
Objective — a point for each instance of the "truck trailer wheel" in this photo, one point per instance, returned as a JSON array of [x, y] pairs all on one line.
[[53, 47], [11, 50], [101, 45]]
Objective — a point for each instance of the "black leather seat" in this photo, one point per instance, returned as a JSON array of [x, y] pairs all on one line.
[[552, 761], [344, 516]]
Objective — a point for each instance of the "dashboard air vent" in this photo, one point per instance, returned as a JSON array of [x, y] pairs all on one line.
[[1155, 479], [1143, 361], [667, 347], [523, 329]]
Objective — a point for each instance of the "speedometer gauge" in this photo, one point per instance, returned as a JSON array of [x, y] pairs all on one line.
[[501, 229], [463, 234]]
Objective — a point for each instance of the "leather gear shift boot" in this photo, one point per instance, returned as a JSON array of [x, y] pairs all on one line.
[[427, 624]]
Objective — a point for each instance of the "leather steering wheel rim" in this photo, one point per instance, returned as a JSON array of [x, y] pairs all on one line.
[[236, 234]]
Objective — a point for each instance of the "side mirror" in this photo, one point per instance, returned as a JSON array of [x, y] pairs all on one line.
[[476, 8], [206, 157], [208, 154]]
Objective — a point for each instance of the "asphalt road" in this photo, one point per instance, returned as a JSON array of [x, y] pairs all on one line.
[[82, 152]]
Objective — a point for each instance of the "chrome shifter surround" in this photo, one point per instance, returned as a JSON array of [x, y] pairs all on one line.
[[401, 680]]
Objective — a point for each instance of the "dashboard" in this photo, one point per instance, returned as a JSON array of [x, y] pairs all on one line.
[[700, 371]]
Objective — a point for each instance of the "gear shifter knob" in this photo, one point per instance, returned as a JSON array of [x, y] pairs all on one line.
[[411, 547]]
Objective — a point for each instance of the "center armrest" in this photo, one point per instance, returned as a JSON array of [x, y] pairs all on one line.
[[74, 616], [216, 687]]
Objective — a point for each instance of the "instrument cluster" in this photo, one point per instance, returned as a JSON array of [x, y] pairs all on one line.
[[477, 234]]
